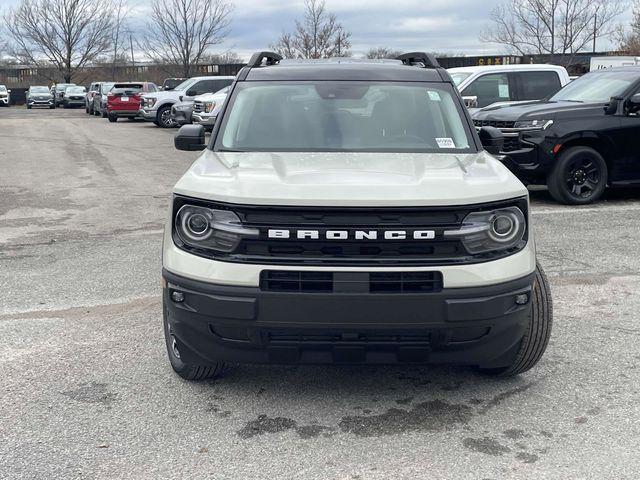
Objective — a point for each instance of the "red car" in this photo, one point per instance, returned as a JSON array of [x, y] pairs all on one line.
[[123, 100]]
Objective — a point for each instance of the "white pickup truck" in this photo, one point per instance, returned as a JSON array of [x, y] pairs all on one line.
[[156, 107], [483, 86]]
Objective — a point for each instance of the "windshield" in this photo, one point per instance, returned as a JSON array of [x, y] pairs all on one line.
[[3, 88], [458, 77], [39, 90], [63, 86], [75, 90], [344, 116], [106, 87], [186, 84], [597, 87]]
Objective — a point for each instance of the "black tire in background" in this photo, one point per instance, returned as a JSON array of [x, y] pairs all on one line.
[[579, 176], [113, 118], [103, 114], [536, 338], [188, 371]]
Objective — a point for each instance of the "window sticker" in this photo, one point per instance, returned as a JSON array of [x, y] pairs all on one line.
[[503, 91], [445, 142], [435, 96]]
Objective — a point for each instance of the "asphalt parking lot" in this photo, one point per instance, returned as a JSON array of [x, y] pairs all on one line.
[[87, 391]]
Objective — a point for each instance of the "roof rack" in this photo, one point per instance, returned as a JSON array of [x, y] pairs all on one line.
[[270, 58], [427, 60]]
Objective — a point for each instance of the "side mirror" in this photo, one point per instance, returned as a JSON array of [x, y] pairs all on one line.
[[492, 140], [613, 106], [190, 138], [470, 102], [192, 93], [633, 104], [9, 90]]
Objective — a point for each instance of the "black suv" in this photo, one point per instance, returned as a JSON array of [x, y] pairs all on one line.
[[578, 141]]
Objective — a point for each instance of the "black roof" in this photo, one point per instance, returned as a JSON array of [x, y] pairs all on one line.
[[343, 69]]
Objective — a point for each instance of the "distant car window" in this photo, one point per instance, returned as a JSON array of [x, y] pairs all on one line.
[[537, 85], [203, 86], [106, 87], [459, 77], [3, 88], [219, 84], [598, 86], [39, 90], [130, 89], [152, 87], [76, 90], [490, 88]]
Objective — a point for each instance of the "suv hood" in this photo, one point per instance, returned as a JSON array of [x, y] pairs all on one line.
[[531, 109], [349, 179]]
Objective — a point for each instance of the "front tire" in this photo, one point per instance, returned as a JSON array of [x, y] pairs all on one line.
[[164, 117], [536, 338], [175, 352], [113, 118], [579, 176]]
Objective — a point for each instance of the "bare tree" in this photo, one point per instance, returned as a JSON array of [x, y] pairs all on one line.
[[552, 26], [120, 33], [221, 58], [180, 32], [317, 35], [64, 33], [383, 52], [629, 39]]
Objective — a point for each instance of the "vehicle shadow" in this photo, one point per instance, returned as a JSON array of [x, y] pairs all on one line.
[[367, 401]]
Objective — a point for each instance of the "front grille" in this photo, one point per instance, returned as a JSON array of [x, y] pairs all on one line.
[[493, 123], [198, 107], [350, 282], [439, 250]]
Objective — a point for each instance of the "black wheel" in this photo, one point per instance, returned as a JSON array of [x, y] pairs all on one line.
[[28, 107], [164, 117], [176, 351], [578, 177], [103, 114], [536, 338], [51, 107], [64, 105], [113, 118]]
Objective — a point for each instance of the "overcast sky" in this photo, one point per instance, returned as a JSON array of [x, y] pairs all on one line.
[[450, 26]]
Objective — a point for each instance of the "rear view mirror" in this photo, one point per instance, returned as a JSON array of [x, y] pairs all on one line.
[[470, 102], [492, 140], [190, 138]]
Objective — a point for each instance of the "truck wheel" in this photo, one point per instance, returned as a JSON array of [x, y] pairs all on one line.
[[536, 338], [164, 117], [578, 177], [186, 370]]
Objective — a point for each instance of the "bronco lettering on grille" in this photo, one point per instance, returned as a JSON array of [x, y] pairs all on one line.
[[363, 235]]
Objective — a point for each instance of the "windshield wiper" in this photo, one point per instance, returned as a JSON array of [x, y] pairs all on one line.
[[232, 150]]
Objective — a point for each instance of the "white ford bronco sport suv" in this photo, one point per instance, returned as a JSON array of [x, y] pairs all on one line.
[[346, 211]]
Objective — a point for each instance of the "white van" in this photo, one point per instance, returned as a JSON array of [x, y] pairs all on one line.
[[489, 85], [598, 63]]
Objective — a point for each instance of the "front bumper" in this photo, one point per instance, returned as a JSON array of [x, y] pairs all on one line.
[[148, 114], [467, 326], [4, 100], [204, 119]]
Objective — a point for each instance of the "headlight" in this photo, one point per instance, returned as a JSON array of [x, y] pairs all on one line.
[[483, 232], [541, 124], [209, 106], [150, 101], [204, 228]]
